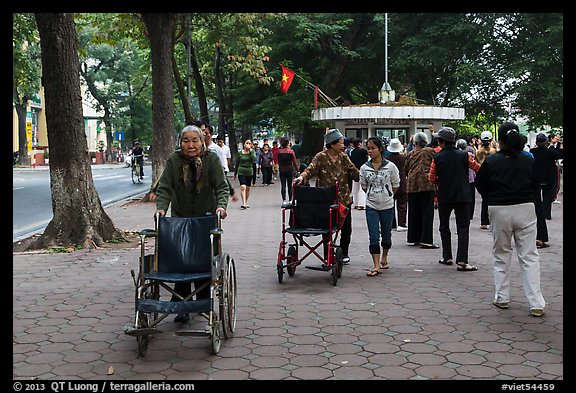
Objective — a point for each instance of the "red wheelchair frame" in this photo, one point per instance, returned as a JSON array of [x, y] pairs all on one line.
[[289, 259]]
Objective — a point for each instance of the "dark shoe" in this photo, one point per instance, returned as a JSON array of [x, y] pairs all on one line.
[[446, 262], [183, 318], [465, 267], [345, 260], [428, 246], [541, 244]]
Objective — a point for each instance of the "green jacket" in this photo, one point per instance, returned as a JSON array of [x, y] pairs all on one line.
[[214, 191]]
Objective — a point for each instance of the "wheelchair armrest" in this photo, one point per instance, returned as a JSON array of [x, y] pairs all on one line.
[[148, 233]]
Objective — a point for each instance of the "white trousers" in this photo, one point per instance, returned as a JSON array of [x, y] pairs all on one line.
[[358, 194], [517, 222]]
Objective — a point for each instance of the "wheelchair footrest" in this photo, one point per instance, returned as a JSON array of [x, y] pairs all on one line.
[[197, 333], [131, 331], [323, 268], [179, 307]]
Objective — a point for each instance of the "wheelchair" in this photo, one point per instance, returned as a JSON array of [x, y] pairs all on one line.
[[313, 211], [187, 250]]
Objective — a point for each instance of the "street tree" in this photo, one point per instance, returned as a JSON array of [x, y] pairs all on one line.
[[25, 73], [161, 28], [78, 215]]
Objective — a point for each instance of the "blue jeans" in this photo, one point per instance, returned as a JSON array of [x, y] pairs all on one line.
[[379, 224]]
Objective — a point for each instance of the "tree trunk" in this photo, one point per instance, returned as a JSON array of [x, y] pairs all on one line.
[[79, 218], [161, 28], [22, 137], [182, 92], [200, 92]]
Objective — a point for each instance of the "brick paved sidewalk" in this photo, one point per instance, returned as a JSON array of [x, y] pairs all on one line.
[[418, 320]]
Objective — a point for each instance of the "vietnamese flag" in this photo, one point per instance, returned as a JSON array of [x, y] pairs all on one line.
[[287, 77]]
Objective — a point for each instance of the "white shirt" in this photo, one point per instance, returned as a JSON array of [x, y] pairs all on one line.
[[220, 153]]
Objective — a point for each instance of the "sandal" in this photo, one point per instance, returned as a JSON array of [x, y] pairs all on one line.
[[384, 265], [465, 267], [373, 273]]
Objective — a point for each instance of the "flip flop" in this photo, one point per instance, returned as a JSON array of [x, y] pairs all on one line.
[[465, 267], [373, 273], [382, 266]]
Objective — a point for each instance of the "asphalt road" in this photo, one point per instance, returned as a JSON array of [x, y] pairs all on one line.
[[32, 203]]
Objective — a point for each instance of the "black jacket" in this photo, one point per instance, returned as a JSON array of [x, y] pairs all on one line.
[[504, 180], [546, 163], [452, 169]]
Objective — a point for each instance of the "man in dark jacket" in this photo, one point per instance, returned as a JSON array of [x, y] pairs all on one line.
[[546, 170], [449, 171]]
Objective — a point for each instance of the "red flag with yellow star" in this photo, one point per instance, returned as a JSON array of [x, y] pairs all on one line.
[[287, 77]]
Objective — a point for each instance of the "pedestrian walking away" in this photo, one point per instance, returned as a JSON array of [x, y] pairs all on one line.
[[509, 182], [379, 179], [449, 170], [287, 166], [192, 185], [420, 193], [328, 167]]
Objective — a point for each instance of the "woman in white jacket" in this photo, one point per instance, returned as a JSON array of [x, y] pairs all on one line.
[[380, 179]]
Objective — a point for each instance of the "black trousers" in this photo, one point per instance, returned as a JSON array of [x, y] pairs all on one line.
[[548, 192], [345, 236], [266, 174], [461, 210], [541, 225], [420, 217]]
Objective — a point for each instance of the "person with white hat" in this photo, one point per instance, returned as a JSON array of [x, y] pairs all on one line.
[[395, 154], [329, 166]]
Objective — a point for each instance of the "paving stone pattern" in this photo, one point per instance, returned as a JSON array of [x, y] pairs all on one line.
[[419, 320]]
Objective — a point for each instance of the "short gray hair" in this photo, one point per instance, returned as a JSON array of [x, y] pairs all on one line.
[[461, 144], [420, 139], [197, 130]]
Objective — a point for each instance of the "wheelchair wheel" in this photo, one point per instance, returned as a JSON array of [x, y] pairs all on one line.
[[339, 257], [227, 301], [292, 256], [216, 319], [144, 339]]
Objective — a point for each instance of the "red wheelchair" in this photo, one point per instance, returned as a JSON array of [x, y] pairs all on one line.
[[313, 211]]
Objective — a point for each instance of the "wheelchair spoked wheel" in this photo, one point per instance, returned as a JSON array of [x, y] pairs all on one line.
[[292, 256], [228, 297]]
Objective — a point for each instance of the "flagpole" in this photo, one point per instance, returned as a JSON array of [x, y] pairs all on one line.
[[314, 87]]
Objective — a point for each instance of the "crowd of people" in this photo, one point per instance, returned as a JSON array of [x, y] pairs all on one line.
[[398, 186]]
